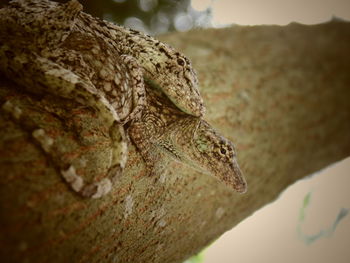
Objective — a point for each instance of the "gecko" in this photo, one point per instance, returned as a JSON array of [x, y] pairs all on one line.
[[47, 47], [163, 128]]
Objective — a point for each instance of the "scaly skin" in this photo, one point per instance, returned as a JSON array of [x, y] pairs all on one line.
[[54, 48], [186, 139], [150, 60], [164, 67], [41, 52], [38, 42]]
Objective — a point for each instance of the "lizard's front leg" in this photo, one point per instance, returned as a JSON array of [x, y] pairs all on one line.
[[144, 136]]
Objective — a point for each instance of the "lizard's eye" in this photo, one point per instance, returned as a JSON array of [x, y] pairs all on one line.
[[181, 62], [222, 150]]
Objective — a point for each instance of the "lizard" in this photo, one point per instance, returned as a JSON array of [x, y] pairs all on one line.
[[56, 48], [160, 64], [163, 128]]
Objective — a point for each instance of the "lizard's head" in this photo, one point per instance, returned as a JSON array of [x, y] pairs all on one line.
[[197, 144], [172, 72], [216, 155]]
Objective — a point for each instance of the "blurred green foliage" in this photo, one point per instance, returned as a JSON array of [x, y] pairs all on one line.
[[150, 16], [195, 259], [322, 233]]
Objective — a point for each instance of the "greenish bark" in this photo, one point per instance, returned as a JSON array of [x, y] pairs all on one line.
[[282, 94]]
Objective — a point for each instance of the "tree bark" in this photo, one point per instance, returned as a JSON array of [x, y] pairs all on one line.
[[282, 94]]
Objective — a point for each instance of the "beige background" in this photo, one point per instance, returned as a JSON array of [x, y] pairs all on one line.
[[270, 235], [281, 12]]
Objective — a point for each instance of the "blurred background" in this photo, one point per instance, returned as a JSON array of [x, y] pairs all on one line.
[[161, 16], [309, 222]]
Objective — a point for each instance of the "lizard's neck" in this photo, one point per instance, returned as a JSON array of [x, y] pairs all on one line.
[[177, 141]]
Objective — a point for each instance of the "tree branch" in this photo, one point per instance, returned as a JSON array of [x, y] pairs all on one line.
[[280, 93]]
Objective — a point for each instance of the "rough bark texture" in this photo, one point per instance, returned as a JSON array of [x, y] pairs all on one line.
[[282, 94]]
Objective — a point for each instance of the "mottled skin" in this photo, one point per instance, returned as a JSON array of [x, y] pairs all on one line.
[[163, 66], [160, 64], [51, 48], [185, 138], [43, 52], [40, 43]]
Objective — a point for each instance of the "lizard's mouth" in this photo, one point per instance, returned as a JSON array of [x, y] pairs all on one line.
[[171, 150]]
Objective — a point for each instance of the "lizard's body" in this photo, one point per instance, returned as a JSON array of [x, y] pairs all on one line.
[[54, 48]]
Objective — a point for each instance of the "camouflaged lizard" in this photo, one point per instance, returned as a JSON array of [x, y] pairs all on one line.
[[54, 48], [162, 127]]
